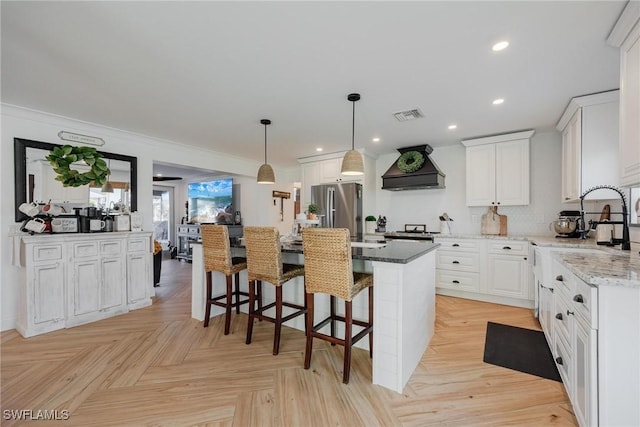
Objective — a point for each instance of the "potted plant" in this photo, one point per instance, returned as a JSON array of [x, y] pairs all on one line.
[[312, 211], [370, 224]]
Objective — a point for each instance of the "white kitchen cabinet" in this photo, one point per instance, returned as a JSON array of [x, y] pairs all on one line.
[[492, 270], [42, 307], [626, 36], [98, 281], [497, 170], [70, 279], [589, 129], [139, 265]]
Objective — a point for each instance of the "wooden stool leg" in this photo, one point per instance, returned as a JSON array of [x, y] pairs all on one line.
[[347, 341], [332, 301], [309, 326], [371, 321], [207, 310], [227, 320], [278, 320], [252, 296], [260, 298], [237, 286], [306, 307]]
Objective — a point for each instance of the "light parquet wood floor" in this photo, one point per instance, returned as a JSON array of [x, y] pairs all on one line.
[[158, 367]]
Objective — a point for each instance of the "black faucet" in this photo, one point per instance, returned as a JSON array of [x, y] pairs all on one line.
[[625, 242]]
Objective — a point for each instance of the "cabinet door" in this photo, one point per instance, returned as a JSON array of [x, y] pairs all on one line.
[[310, 176], [86, 287], [585, 403], [630, 109], [481, 176], [507, 276], [512, 173], [545, 310], [330, 171], [48, 293], [571, 154], [137, 277], [113, 283]]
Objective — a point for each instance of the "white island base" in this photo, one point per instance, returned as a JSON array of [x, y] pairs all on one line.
[[404, 309]]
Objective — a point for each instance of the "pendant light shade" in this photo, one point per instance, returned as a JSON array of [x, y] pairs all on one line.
[[352, 163], [265, 173], [107, 187]]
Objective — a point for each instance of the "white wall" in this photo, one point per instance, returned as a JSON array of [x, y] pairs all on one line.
[[425, 206], [27, 124]]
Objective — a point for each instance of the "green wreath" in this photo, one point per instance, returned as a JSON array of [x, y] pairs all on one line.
[[410, 161], [61, 159]]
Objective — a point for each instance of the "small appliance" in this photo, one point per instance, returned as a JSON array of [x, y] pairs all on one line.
[[567, 224], [122, 223]]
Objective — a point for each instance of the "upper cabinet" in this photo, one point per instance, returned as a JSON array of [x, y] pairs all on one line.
[[589, 129], [497, 169], [626, 36]]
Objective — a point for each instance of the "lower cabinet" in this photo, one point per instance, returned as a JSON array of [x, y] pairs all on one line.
[[486, 269], [79, 278], [596, 346]]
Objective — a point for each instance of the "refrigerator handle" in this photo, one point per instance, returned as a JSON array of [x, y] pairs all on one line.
[[330, 207]]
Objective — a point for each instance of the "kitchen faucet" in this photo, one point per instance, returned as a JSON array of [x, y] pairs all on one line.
[[625, 242]]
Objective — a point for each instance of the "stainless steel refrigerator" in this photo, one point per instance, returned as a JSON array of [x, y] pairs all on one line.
[[339, 206]]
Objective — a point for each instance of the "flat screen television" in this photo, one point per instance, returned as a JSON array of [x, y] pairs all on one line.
[[211, 201]]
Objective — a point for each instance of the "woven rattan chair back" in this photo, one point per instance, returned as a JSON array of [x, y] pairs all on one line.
[[264, 258], [216, 248], [327, 262]]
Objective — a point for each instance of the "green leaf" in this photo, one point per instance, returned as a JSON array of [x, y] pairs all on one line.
[[66, 150]]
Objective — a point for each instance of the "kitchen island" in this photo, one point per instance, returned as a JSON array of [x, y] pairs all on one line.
[[404, 301]]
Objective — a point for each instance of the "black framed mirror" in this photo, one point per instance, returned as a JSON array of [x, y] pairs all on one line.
[[23, 149]]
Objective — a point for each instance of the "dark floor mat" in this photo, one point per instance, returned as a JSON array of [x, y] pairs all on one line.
[[521, 349]]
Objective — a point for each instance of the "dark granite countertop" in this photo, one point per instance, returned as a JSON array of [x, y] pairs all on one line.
[[397, 252]]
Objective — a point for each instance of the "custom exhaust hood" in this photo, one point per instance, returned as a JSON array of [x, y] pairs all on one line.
[[413, 170]]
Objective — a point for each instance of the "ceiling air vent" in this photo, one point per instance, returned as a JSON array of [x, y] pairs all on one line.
[[403, 116]]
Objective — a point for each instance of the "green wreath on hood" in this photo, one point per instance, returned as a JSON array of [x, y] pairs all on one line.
[[410, 161], [62, 157]]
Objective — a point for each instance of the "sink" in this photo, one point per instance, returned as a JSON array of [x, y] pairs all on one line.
[[367, 245]]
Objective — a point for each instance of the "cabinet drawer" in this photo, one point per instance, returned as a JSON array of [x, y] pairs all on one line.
[[461, 280], [562, 320], [563, 280], [194, 230], [110, 247], [183, 230], [85, 249], [138, 245], [458, 261], [562, 357], [508, 247], [463, 245], [585, 302], [47, 253]]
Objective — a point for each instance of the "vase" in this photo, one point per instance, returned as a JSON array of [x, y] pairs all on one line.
[[369, 227]]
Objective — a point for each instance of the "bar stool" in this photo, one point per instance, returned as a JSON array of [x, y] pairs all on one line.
[[264, 263], [329, 270], [216, 250]]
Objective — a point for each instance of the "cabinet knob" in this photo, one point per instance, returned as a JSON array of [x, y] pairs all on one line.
[[455, 281], [506, 248], [559, 278], [569, 313], [455, 262], [455, 245], [578, 298], [559, 316], [559, 360]]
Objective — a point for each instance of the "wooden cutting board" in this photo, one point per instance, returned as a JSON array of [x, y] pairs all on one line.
[[605, 215], [503, 225], [490, 223]]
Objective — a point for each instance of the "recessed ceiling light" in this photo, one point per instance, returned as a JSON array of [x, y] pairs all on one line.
[[498, 101], [376, 139], [500, 46], [452, 127], [319, 149]]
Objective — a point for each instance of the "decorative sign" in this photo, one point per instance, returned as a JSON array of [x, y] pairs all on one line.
[[83, 139]]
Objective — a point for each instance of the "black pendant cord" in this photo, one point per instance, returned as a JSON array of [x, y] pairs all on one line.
[[265, 144], [353, 126]]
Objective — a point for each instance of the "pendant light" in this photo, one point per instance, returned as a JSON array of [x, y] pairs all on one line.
[[107, 187], [352, 163], [265, 173]]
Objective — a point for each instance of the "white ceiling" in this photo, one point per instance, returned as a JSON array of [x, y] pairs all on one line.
[[205, 73]]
